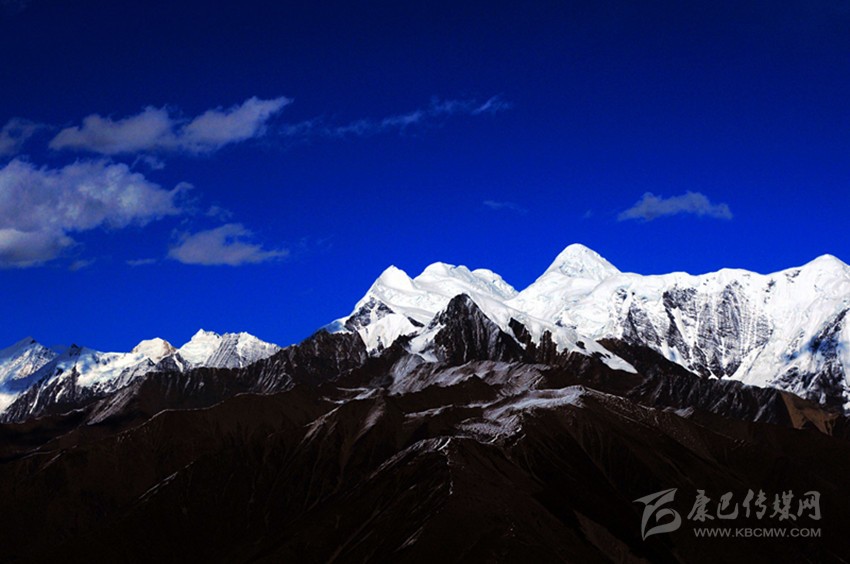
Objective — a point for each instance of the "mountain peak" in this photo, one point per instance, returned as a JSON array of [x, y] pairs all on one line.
[[204, 334], [578, 261], [395, 278], [828, 263], [155, 349], [460, 279], [227, 350], [201, 346], [439, 268], [19, 347]]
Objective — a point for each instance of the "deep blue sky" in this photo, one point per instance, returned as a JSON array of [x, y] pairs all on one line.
[[733, 115]]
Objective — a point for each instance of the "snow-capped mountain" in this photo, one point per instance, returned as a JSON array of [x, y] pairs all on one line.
[[230, 350], [18, 364], [787, 330], [30, 369], [397, 305]]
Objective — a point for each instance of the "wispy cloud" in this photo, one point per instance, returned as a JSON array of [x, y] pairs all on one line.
[[40, 208], [156, 130], [142, 262], [504, 206], [150, 161], [219, 213], [493, 105], [216, 128], [80, 264], [651, 207], [15, 133], [225, 245], [428, 115]]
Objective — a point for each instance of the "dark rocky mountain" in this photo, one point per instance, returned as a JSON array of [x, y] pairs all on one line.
[[462, 443]]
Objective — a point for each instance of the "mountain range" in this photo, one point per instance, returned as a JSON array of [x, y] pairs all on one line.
[[448, 417], [786, 330], [33, 376]]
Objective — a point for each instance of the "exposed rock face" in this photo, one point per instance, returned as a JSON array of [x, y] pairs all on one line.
[[465, 334], [711, 335]]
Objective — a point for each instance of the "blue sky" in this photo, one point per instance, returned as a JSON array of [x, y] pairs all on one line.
[[254, 166]]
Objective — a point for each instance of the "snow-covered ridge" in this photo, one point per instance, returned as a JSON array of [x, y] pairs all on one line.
[[28, 362], [789, 329], [397, 305]]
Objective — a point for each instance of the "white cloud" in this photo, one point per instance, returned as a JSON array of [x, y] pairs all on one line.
[[41, 207], [15, 133], [215, 128], [225, 245], [500, 206], [29, 248], [651, 207], [155, 130], [150, 130]]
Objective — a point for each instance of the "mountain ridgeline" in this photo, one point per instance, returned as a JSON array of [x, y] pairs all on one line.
[[448, 417]]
